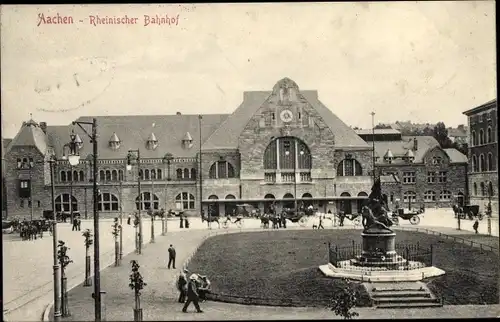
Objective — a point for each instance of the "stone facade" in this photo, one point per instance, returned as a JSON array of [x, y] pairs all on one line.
[[248, 184], [483, 144]]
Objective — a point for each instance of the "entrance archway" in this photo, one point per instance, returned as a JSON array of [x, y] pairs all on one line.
[[213, 207], [230, 207], [361, 202], [288, 203], [345, 205], [268, 203]]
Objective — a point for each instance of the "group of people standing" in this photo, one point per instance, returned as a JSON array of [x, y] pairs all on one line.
[[77, 224], [30, 230]]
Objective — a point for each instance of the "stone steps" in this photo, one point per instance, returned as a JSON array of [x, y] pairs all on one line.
[[401, 295]]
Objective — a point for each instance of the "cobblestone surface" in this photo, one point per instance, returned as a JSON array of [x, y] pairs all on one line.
[[158, 300]]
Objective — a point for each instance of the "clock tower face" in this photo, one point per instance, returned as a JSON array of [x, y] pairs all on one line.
[[286, 116]]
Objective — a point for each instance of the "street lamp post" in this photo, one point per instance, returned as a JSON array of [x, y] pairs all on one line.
[[31, 164], [129, 167], [166, 159], [74, 159], [57, 285], [295, 156], [373, 144], [200, 172], [152, 206], [121, 221]]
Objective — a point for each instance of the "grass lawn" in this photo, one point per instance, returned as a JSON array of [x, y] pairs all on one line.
[[282, 266]]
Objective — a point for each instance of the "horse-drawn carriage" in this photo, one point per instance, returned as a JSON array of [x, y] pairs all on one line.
[[298, 216], [469, 211], [412, 216], [60, 216]]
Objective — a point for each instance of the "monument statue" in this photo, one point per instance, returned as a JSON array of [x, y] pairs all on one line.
[[375, 214]]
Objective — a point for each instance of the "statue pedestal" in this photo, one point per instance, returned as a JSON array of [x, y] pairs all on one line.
[[379, 249]]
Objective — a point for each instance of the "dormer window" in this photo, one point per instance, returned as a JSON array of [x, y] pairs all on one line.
[[388, 157], [152, 142], [114, 142], [187, 141], [78, 141], [409, 156]]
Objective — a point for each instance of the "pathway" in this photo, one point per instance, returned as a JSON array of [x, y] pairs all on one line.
[[159, 295]]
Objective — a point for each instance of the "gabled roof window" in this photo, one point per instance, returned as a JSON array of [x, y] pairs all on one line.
[[388, 156], [114, 142], [409, 156], [152, 142], [187, 141]]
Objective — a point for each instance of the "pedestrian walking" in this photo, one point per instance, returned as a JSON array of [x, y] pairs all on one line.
[[75, 224], [192, 295], [182, 222], [182, 282], [321, 222], [476, 224], [129, 219], [171, 256], [79, 224]]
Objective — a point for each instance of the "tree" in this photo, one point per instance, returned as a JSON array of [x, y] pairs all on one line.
[[383, 126], [345, 300], [87, 234], [441, 135], [116, 233], [136, 284]]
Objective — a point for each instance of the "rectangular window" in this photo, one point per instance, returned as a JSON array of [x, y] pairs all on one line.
[[431, 177], [24, 184], [442, 177], [273, 116], [409, 177], [480, 116]]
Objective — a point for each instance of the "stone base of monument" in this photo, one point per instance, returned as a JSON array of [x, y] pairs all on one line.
[[379, 261]]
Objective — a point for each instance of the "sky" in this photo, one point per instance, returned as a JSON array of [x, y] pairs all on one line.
[[419, 61]]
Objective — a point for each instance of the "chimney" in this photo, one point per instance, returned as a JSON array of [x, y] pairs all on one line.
[[178, 113], [415, 144], [43, 126]]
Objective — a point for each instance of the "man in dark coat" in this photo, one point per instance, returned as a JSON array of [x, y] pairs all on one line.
[[171, 256], [182, 282], [192, 295]]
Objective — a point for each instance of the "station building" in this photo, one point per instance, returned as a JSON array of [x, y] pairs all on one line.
[[483, 155], [281, 145], [415, 171]]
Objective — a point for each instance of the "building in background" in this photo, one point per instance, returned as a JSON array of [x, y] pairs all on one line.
[[415, 171], [277, 146], [483, 155]]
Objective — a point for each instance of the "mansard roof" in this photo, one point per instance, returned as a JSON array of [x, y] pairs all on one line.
[[133, 131], [227, 135], [30, 134]]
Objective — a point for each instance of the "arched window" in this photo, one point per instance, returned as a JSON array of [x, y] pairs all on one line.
[[141, 174], [287, 153], [481, 136], [482, 166], [288, 203], [230, 197], [489, 138], [473, 138], [82, 175], [483, 189], [445, 195], [429, 196], [349, 167], [63, 176], [179, 174], [63, 203], [120, 175], [158, 174], [19, 163], [213, 197], [101, 175], [114, 175], [475, 189], [361, 202], [490, 189], [221, 170], [108, 175], [409, 196], [184, 200], [146, 174], [153, 174], [107, 202], [75, 175], [148, 201], [475, 165], [186, 173], [491, 165], [69, 175], [269, 196], [193, 173]]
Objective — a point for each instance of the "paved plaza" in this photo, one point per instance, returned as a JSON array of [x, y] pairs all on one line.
[[29, 263], [158, 299]]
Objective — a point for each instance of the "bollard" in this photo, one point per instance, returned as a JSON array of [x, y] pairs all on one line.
[[103, 306], [64, 303], [88, 280]]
